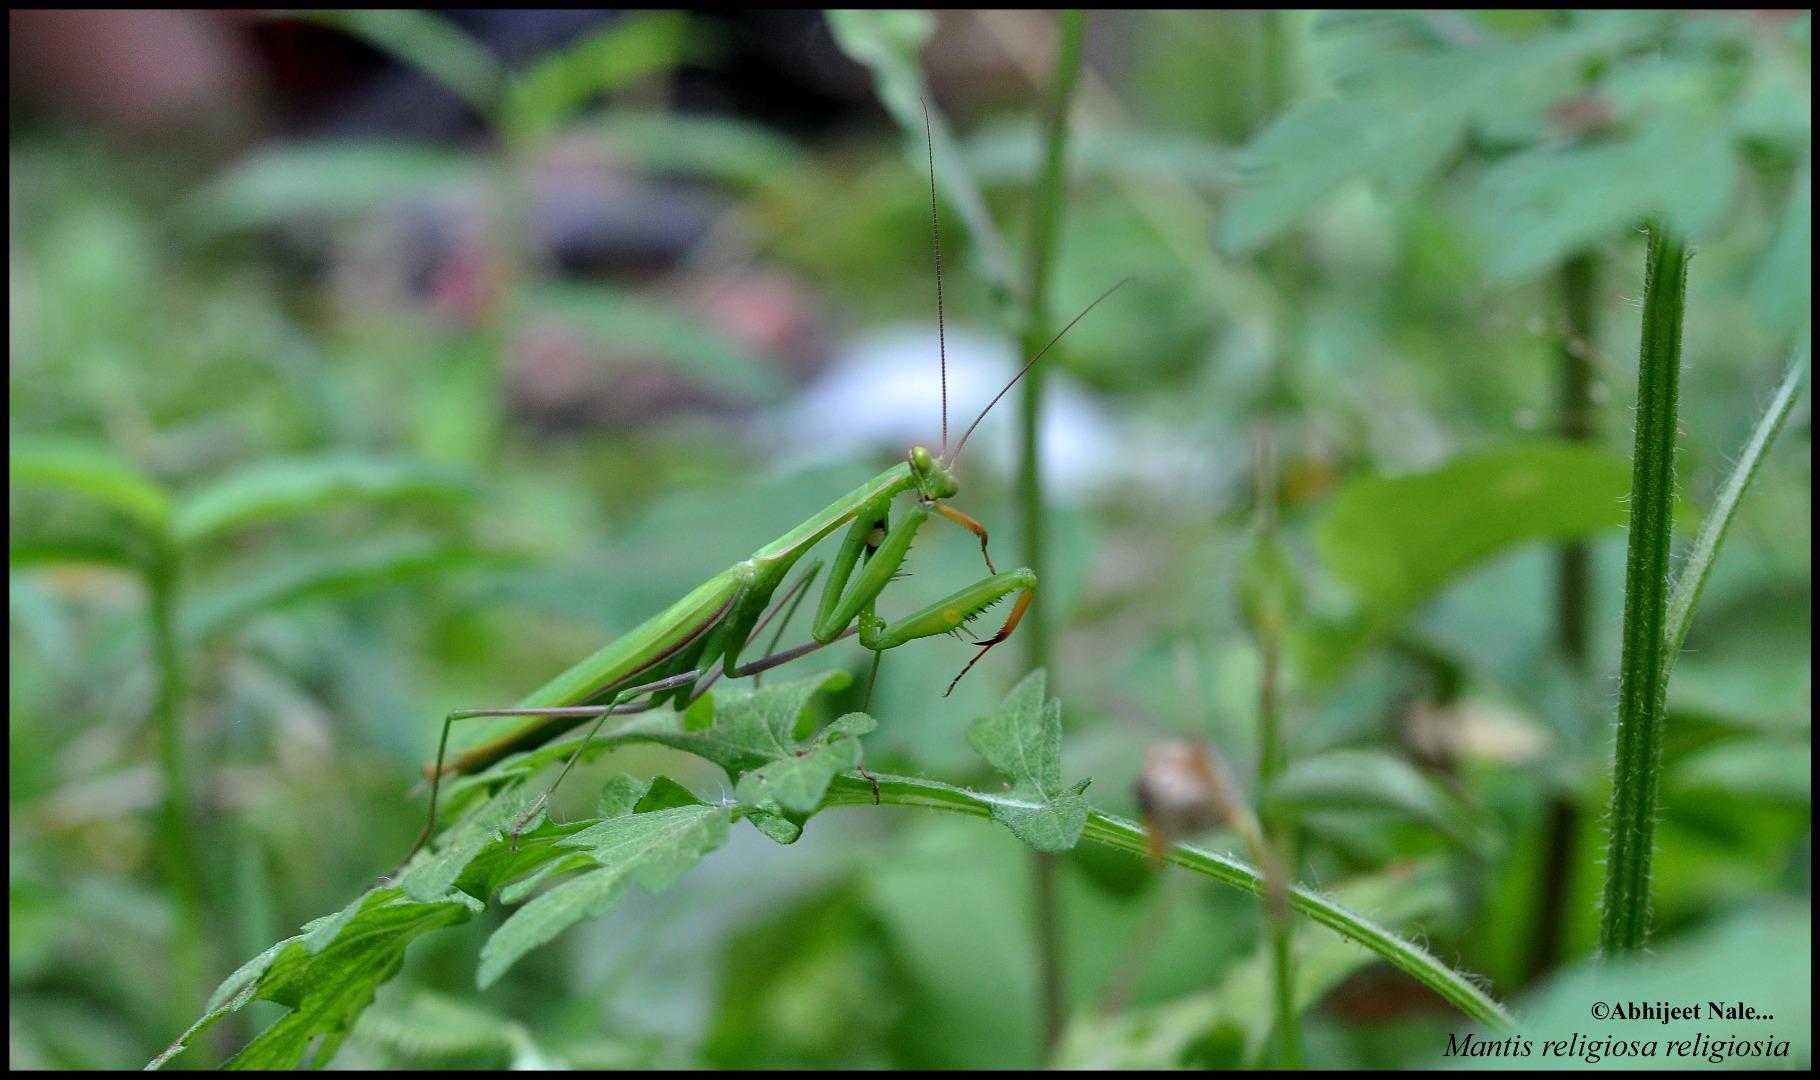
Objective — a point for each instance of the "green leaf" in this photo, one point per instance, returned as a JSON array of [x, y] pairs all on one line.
[[343, 180], [632, 47], [1366, 780], [98, 473], [477, 831], [434, 1027], [1402, 115], [97, 549], [1761, 769], [274, 490], [750, 728], [651, 849], [798, 783], [734, 152], [293, 579], [1398, 540], [325, 989], [1010, 154], [1022, 741], [1535, 209]]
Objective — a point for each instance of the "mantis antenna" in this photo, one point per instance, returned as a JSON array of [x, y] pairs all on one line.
[[1032, 363]]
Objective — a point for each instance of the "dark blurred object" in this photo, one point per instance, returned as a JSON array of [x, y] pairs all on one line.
[[134, 71], [330, 84], [780, 68]]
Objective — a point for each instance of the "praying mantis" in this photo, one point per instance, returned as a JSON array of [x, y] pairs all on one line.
[[676, 655]]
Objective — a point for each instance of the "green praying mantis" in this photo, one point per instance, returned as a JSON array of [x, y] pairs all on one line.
[[675, 656]]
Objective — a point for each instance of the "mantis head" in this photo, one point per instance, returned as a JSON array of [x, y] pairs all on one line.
[[932, 478]]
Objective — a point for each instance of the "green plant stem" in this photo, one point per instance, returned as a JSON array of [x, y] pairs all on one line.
[[1692, 579], [1045, 221], [1272, 759], [1128, 836], [1578, 278], [176, 840], [1643, 669]]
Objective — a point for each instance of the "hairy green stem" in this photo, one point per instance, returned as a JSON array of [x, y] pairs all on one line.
[[1045, 221], [1128, 836], [1692, 580], [1267, 627], [1643, 670], [1579, 282]]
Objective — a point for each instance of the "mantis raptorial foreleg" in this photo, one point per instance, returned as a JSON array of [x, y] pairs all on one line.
[[889, 547]]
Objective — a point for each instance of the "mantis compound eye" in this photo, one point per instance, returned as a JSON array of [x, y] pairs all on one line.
[[920, 461]]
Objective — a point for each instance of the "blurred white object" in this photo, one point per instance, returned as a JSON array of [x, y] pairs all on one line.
[[883, 391]]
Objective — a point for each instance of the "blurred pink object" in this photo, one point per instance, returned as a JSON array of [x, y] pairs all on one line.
[[131, 70]]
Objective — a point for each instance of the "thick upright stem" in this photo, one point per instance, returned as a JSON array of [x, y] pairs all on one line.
[[1643, 685], [1045, 221], [176, 842], [1573, 592]]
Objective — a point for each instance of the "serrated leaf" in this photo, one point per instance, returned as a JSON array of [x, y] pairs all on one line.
[[651, 849], [274, 490], [92, 471], [328, 988], [798, 783], [1402, 114], [665, 794], [1022, 741], [750, 729], [431, 876], [776, 827], [620, 795], [1535, 209]]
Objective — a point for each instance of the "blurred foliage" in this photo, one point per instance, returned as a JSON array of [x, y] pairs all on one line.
[[398, 454]]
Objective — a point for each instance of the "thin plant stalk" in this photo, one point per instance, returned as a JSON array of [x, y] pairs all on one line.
[[176, 836], [1274, 839], [1692, 579], [1578, 279], [1643, 682], [1045, 221], [1456, 988]]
